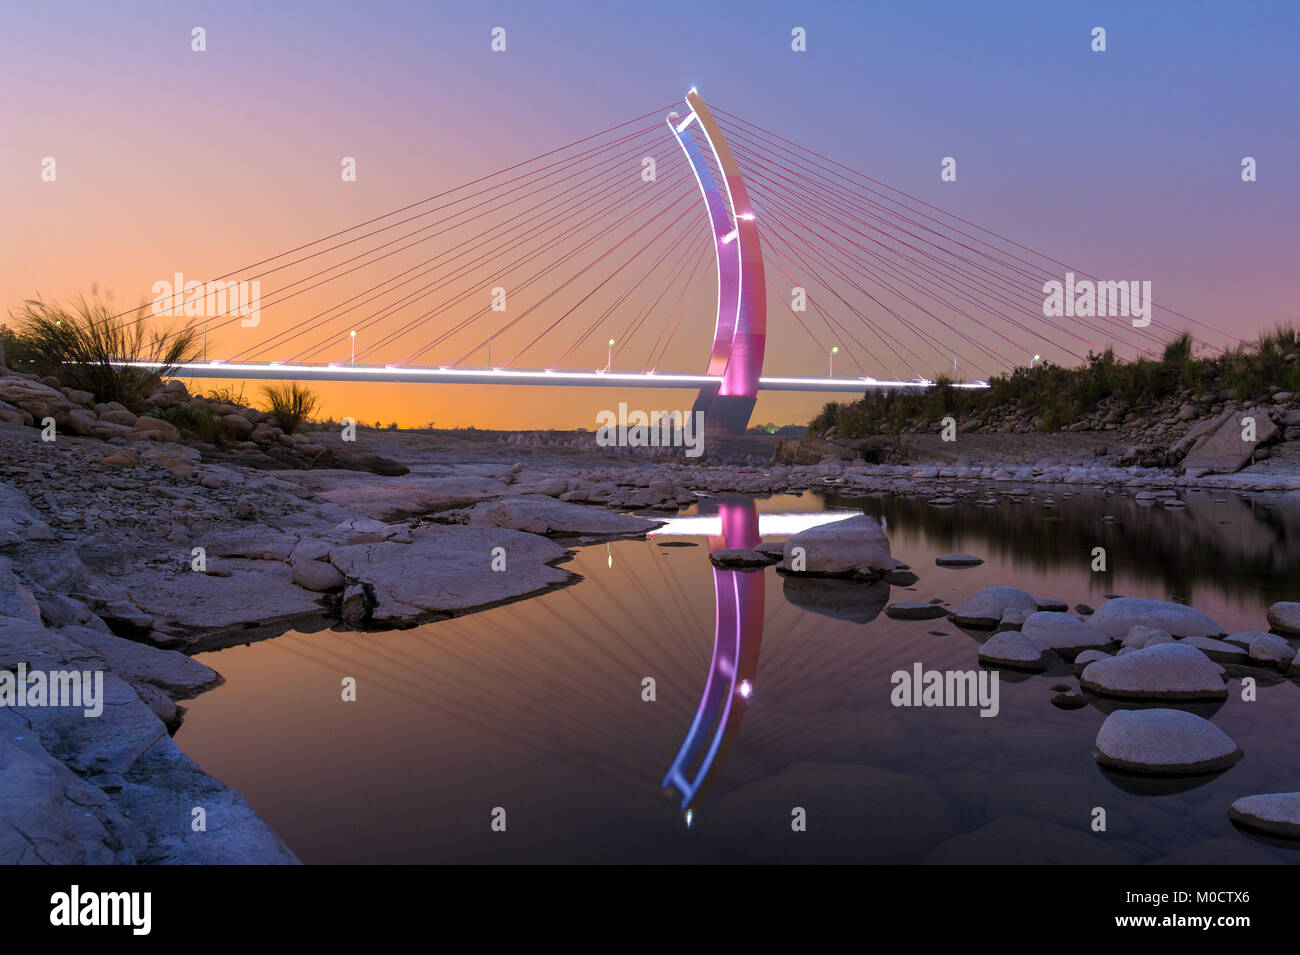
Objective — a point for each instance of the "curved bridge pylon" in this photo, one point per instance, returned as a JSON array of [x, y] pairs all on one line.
[[741, 329]]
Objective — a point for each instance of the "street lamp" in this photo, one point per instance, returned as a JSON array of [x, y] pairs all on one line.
[[609, 365], [1036, 359], [834, 351], [353, 333]]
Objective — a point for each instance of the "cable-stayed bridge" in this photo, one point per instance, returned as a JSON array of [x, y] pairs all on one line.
[[593, 264]]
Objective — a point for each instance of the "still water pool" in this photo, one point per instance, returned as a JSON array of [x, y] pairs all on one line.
[[537, 708]]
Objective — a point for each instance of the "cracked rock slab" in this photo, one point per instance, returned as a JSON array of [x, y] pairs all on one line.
[[448, 569]]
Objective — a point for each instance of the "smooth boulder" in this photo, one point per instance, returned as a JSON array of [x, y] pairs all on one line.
[[986, 607], [1284, 617], [1163, 742], [854, 547], [1067, 635], [1011, 648], [1118, 616], [1274, 813], [1167, 671]]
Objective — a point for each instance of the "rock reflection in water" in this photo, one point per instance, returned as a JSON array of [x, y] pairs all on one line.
[[537, 706]]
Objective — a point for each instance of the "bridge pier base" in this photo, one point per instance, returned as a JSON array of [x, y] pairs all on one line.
[[724, 414]]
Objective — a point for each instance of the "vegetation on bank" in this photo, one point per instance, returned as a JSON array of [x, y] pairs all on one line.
[[1055, 397], [290, 405], [84, 345]]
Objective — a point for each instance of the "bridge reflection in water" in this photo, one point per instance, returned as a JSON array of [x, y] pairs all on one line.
[[737, 637]]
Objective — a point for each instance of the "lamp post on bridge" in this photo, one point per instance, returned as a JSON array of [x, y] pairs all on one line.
[[1035, 360], [609, 364], [353, 333], [834, 351]]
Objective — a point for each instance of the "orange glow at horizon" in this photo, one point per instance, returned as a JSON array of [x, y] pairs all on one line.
[[504, 407]]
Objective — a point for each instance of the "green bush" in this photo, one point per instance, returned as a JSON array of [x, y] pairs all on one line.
[[18, 352], [1054, 396]]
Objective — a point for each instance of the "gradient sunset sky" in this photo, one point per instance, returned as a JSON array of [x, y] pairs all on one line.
[[1126, 162]]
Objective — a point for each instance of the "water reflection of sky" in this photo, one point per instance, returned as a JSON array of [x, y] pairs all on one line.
[[537, 707]]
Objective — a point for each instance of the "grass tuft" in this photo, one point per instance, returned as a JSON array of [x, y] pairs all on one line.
[[290, 405], [84, 345]]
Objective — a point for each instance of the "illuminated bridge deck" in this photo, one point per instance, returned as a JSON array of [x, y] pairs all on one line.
[[508, 376]]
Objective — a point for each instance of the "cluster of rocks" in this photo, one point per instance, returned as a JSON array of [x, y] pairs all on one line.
[[248, 435], [1216, 444], [1154, 666], [969, 479], [1159, 669]]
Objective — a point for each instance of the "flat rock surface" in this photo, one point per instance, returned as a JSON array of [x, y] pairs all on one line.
[[915, 610], [392, 499], [19, 521], [1118, 616], [447, 569], [738, 557], [187, 604], [1161, 742], [48, 814], [1168, 671], [541, 514], [173, 672], [254, 542]]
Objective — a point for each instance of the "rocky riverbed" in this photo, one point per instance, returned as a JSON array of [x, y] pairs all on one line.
[[126, 546]]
